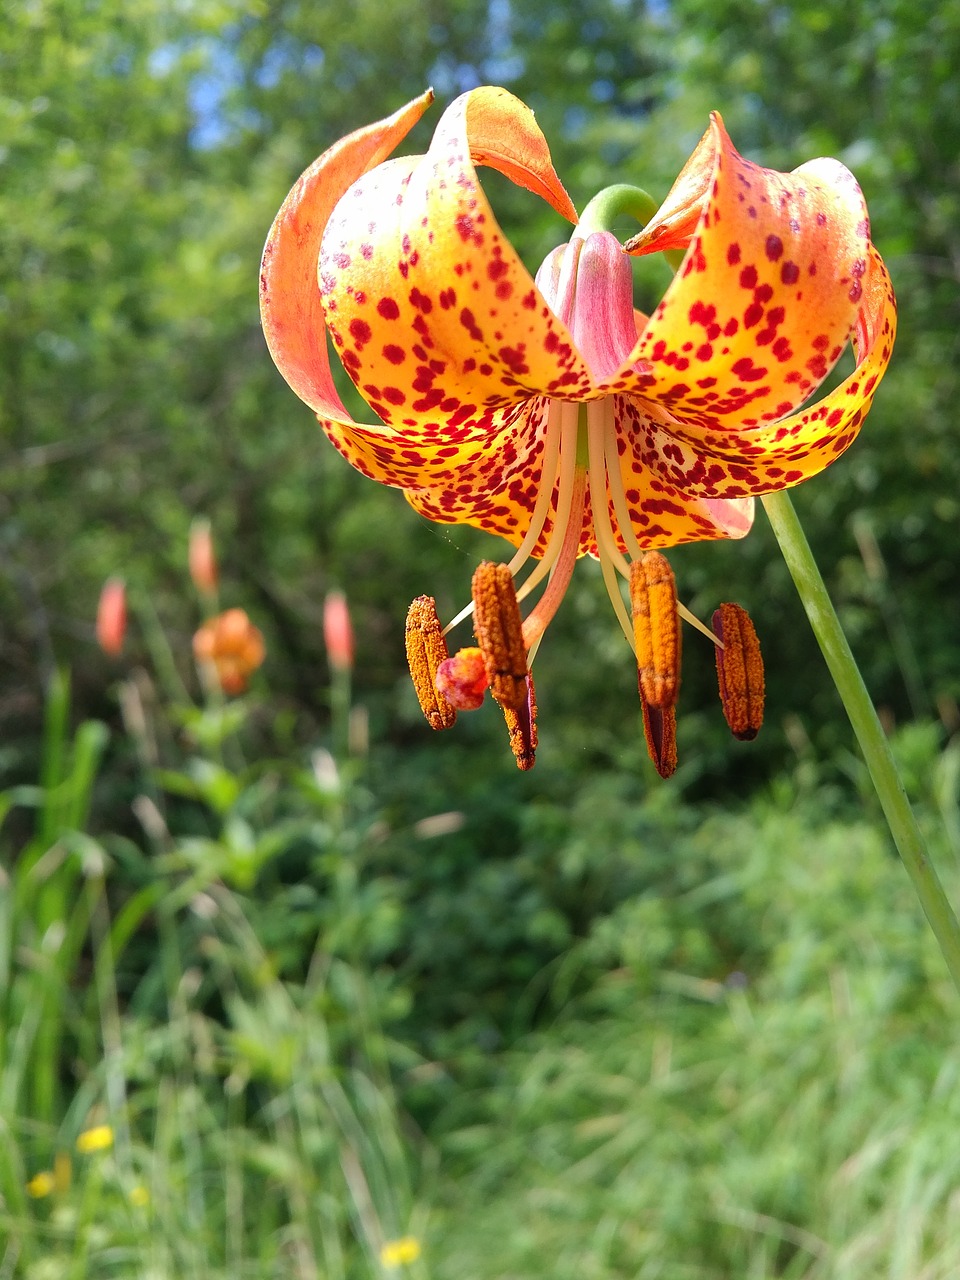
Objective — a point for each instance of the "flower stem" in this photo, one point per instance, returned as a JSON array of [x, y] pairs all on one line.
[[612, 203], [873, 742]]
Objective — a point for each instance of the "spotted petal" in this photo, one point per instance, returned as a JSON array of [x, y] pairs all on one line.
[[767, 295], [735, 463], [435, 317], [430, 448]]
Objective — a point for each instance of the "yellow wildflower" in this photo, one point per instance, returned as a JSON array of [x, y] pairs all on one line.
[[41, 1184], [139, 1196], [99, 1138], [397, 1253]]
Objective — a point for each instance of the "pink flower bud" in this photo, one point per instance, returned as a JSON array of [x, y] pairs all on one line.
[[338, 631], [202, 558], [112, 617]]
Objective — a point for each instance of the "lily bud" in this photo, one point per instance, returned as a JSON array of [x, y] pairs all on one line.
[[338, 631], [112, 617], [202, 559]]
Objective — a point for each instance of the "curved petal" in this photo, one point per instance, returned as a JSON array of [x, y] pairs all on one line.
[[504, 135], [661, 505], [495, 489], [781, 454], [424, 294], [766, 298], [290, 308], [676, 220]]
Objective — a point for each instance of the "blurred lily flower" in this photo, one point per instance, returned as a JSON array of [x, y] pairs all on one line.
[[338, 631], [232, 647], [546, 409], [112, 617], [202, 558]]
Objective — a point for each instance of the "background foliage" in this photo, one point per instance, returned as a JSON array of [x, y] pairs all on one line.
[[477, 988]]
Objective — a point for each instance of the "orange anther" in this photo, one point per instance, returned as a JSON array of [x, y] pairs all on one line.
[[499, 630], [739, 671], [426, 649], [522, 725], [656, 628], [660, 731]]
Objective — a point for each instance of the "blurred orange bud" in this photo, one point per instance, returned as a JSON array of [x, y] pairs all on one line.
[[112, 617], [338, 631], [232, 646], [201, 558]]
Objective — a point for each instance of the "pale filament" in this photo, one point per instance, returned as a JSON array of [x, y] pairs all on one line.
[[617, 492], [548, 480]]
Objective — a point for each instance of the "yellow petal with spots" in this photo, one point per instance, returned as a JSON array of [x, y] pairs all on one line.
[[767, 295], [435, 317], [735, 463]]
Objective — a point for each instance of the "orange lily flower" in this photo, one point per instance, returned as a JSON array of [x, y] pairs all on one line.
[[231, 648], [545, 409]]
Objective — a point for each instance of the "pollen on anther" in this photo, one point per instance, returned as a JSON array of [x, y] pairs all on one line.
[[656, 628], [499, 631], [522, 727], [739, 671], [426, 650], [660, 731]]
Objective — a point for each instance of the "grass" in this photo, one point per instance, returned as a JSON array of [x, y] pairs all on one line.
[[746, 1067]]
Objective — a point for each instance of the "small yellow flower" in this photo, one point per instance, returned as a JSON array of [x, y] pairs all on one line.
[[397, 1253], [99, 1138], [41, 1184], [139, 1196]]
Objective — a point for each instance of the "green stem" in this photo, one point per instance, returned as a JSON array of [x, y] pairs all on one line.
[[614, 202], [873, 742]]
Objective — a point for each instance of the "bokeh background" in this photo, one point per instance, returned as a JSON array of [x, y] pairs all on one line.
[[330, 979]]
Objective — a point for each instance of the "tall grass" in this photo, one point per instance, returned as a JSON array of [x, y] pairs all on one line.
[[747, 1068]]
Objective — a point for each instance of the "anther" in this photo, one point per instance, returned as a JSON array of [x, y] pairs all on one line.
[[739, 671], [426, 649], [660, 731], [522, 725], [499, 631], [656, 629]]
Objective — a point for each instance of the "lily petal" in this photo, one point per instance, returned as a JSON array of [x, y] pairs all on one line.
[[496, 489], [424, 295], [503, 134], [672, 226], [777, 455], [659, 506], [290, 307], [767, 295]]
